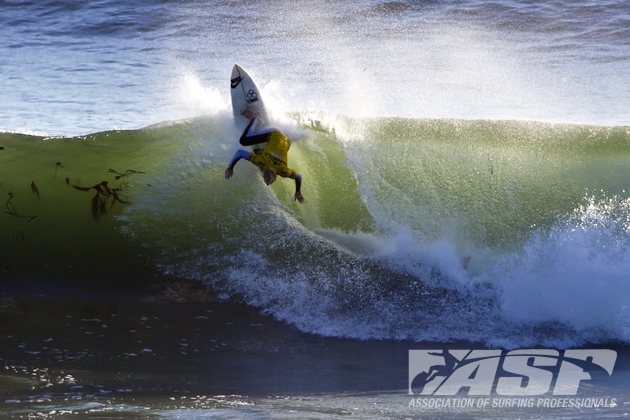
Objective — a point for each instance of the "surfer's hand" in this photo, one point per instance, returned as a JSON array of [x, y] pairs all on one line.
[[298, 197], [228, 173]]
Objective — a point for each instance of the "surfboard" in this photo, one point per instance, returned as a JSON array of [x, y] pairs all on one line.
[[246, 95]]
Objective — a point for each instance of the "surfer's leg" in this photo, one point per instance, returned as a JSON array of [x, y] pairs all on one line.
[[249, 138]]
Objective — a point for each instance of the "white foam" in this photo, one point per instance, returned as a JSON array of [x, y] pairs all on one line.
[[576, 274], [197, 98]]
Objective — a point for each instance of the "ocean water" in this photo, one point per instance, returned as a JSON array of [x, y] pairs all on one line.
[[466, 172]]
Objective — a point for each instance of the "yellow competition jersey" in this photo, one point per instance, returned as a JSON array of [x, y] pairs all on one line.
[[274, 155]]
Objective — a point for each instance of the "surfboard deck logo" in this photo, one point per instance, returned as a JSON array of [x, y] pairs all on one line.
[[251, 96], [236, 81]]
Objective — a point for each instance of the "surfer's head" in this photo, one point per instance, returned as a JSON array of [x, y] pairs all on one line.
[[269, 175]]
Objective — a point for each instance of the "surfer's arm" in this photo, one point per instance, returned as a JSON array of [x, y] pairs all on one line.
[[290, 173], [240, 154], [298, 188]]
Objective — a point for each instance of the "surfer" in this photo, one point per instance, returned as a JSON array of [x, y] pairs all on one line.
[[272, 160]]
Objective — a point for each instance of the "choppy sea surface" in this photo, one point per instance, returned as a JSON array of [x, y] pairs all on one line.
[[466, 169]]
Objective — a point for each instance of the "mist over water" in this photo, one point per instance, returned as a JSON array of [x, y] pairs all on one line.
[[78, 68]]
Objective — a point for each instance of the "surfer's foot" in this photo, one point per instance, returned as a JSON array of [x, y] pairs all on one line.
[[249, 114]]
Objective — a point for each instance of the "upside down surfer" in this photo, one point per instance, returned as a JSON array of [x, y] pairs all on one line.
[[272, 160]]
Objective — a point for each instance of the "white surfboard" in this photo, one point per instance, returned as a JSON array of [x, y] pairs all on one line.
[[245, 95]]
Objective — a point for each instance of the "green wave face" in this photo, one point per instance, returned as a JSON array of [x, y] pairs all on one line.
[[397, 211], [488, 183], [55, 223]]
